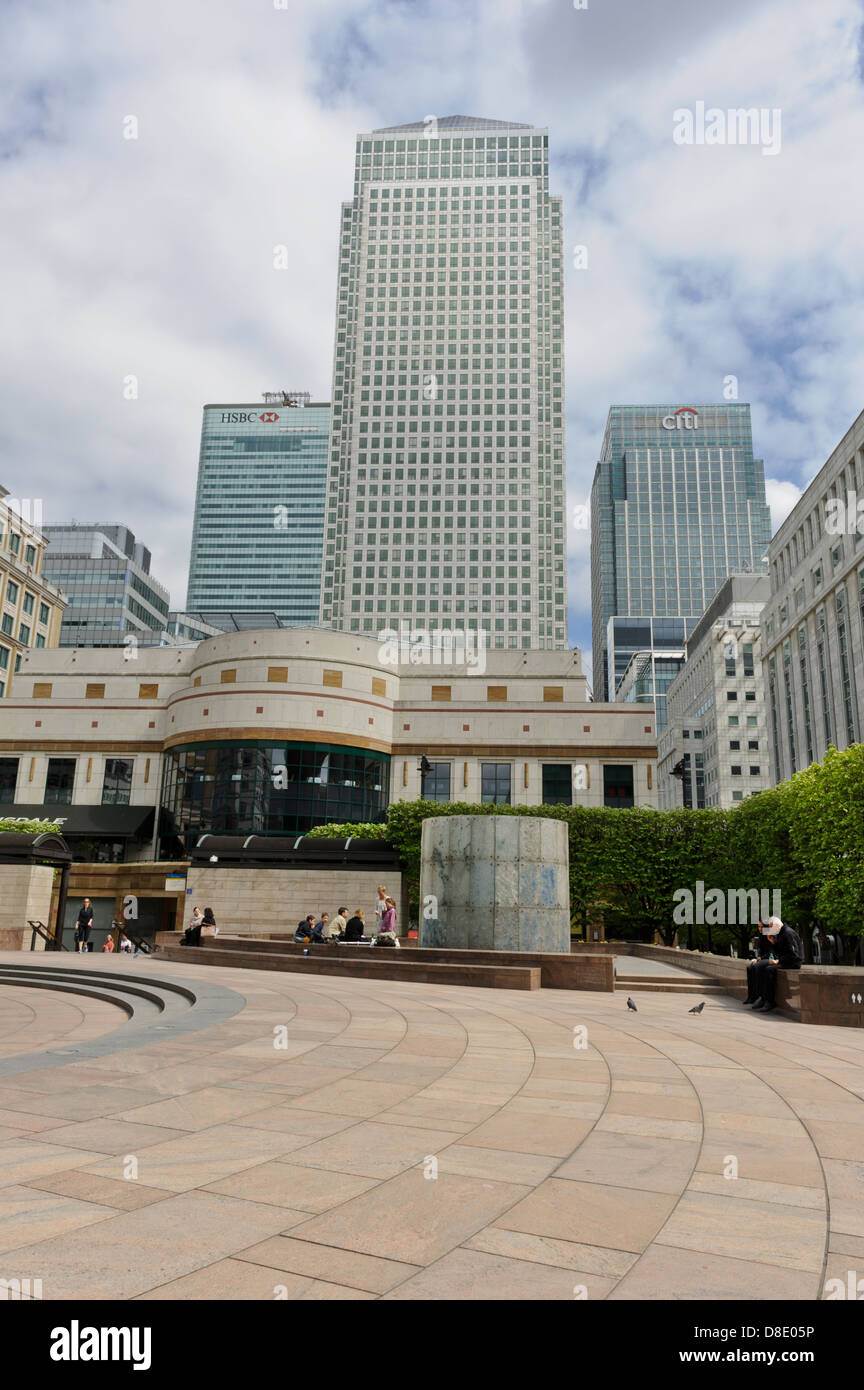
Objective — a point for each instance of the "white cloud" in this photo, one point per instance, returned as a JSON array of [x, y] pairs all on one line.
[[782, 497], [154, 257]]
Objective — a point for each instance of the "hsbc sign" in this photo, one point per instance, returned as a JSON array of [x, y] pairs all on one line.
[[248, 417], [685, 418]]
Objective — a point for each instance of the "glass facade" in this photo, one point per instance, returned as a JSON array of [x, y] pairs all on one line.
[[618, 786], [678, 503], [60, 782], [260, 788], [436, 784], [445, 503], [117, 782], [259, 511], [495, 783], [105, 573], [8, 779], [557, 784]]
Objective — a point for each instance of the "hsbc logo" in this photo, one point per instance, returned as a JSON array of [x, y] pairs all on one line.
[[685, 418], [248, 417]]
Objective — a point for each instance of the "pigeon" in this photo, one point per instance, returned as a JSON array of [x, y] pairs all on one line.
[[698, 1009], [631, 1005]]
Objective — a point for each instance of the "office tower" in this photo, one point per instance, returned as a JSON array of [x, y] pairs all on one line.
[[105, 574], [813, 625], [678, 503], [714, 748], [31, 608], [446, 487], [259, 508]]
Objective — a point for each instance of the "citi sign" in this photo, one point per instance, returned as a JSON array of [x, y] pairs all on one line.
[[685, 418], [248, 417]]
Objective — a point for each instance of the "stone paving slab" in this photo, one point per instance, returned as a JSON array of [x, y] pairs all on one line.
[[424, 1142]]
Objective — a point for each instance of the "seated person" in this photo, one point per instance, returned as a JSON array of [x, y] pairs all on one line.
[[208, 924], [321, 930], [125, 943], [305, 928], [356, 927], [338, 925], [109, 944], [786, 945]]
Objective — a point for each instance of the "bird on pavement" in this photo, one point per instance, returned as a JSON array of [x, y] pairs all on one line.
[[631, 1005], [698, 1009]]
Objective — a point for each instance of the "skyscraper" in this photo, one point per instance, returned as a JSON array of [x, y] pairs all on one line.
[[446, 484], [105, 574], [259, 508], [678, 503]]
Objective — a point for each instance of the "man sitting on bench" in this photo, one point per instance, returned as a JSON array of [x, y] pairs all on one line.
[[787, 948]]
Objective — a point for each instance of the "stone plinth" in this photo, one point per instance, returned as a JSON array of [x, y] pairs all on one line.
[[495, 883]]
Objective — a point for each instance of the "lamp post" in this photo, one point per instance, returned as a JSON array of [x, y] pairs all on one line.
[[424, 767]]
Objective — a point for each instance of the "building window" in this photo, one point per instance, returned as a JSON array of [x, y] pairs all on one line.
[[8, 778], [333, 678], [805, 692], [747, 654], [147, 691], [845, 670], [441, 692], [436, 784], [30, 555], [496, 692], [43, 613], [553, 694], [59, 782], [495, 783], [821, 641], [42, 690], [228, 676], [277, 674], [557, 784], [790, 712], [735, 769], [94, 692], [117, 783], [618, 786]]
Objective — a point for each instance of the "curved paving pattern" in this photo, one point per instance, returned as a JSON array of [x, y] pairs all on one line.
[[339, 1138]]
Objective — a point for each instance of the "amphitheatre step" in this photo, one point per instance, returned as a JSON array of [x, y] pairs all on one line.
[[658, 985], [364, 965]]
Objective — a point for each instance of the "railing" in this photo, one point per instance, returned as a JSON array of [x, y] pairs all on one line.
[[147, 948], [53, 943]]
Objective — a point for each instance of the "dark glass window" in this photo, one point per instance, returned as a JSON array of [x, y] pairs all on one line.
[[8, 778], [59, 782], [618, 786], [436, 785], [265, 789], [557, 784], [495, 783], [117, 785]]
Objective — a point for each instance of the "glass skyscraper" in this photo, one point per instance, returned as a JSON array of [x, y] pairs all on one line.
[[105, 574], [446, 485], [678, 503], [259, 509]]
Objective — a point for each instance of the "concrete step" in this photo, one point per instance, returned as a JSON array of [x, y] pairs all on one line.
[[657, 984]]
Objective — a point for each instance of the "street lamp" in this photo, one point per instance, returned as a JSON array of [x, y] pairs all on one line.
[[424, 767]]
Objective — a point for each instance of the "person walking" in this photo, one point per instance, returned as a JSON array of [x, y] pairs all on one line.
[[83, 924], [787, 949]]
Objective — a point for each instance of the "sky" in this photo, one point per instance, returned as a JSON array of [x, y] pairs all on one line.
[[154, 152]]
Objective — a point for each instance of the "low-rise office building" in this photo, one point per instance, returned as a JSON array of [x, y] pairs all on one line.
[[714, 748], [814, 620], [31, 608], [275, 731]]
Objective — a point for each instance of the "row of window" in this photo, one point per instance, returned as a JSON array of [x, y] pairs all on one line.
[[60, 781], [557, 784]]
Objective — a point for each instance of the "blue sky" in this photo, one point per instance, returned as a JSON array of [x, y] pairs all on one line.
[[153, 257]]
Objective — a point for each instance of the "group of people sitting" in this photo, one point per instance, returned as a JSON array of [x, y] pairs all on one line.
[[341, 927], [200, 924]]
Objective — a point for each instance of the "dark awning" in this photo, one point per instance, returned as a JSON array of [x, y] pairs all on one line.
[[100, 822]]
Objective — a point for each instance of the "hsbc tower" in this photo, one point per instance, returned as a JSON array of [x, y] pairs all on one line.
[[259, 508]]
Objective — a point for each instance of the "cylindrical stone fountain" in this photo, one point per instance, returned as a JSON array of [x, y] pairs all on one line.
[[495, 883]]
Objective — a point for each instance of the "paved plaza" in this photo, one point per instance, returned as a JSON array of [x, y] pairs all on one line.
[[332, 1138]]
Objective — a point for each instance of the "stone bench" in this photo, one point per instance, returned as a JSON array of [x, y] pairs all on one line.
[[365, 963], [557, 971]]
